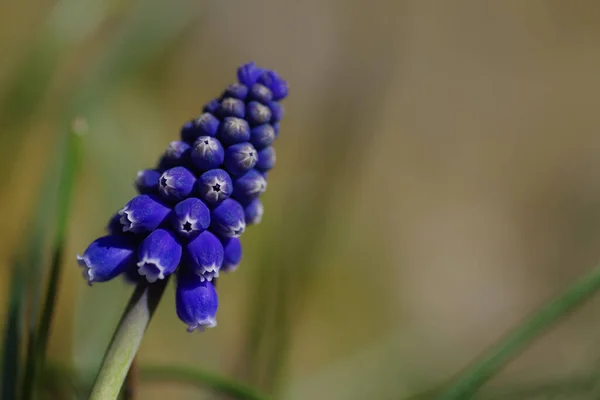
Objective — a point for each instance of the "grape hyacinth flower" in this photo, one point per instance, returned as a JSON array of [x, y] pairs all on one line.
[[193, 206]]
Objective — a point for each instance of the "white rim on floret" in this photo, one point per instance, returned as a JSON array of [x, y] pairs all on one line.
[[151, 268], [209, 272], [202, 324], [212, 194], [127, 221], [193, 223], [206, 145], [235, 230], [259, 213], [87, 271]]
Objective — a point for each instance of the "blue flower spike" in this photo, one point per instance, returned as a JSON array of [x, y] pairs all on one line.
[[143, 214], [232, 248], [194, 205], [240, 158], [214, 186], [158, 255], [249, 186], [106, 258], [207, 153], [190, 217], [176, 184], [196, 302], [204, 255], [228, 219]]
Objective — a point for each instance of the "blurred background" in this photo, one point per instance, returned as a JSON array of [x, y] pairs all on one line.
[[438, 179]]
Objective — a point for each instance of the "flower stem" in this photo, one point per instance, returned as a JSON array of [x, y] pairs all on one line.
[[126, 340], [516, 341]]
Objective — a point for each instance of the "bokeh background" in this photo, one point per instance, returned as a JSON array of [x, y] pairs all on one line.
[[438, 178]]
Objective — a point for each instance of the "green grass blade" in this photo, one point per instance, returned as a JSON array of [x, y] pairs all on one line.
[[203, 379], [13, 331], [467, 384], [38, 337]]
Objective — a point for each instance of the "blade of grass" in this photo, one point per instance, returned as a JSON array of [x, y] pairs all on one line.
[[39, 339], [495, 358], [13, 330], [196, 377]]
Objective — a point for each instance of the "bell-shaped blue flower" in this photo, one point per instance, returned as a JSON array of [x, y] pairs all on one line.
[[228, 219], [232, 248], [190, 217], [107, 257], [207, 153], [249, 73], [237, 91], [205, 125], [214, 186], [212, 106], [176, 184], [196, 302], [249, 186], [143, 213], [146, 181], [257, 113], [158, 255], [176, 154], [253, 212], [260, 93], [240, 158], [204, 255], [266, 159], [278, 86], [262, 136], [234, 130], [231, 107], [276, 111]]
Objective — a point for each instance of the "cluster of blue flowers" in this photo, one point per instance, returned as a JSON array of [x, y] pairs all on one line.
[[193, 207]]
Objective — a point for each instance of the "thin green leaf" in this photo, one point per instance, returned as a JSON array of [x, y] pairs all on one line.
[[13, 331], [516, 341], [38, 337], [203, 379]]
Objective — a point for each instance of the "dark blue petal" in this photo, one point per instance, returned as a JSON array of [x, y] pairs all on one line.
[[249, 186], [276, 127], [276, 111], [146, 181], [196, 302], [262, 136], [144, 213], [240, 158], [107, 257], [176, 184], [214, 186], [176, 154], [207, 153], [227, 219], [234, 130], [233, 254], [231, 107], [158, 255], [237, 91], [204, 255], [253, 212], [249, 73], [278, 86], [212, 106], [190, 217], [257, 114], [260, 93], [205, 125], [266, 159]]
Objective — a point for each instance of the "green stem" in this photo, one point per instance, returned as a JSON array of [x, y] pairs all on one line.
[[516, 341], [173, 373], [126, 340]]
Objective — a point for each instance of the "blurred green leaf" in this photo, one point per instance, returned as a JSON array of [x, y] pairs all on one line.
[[13, 331], [202, 379], [71, 155], [495, 358]]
